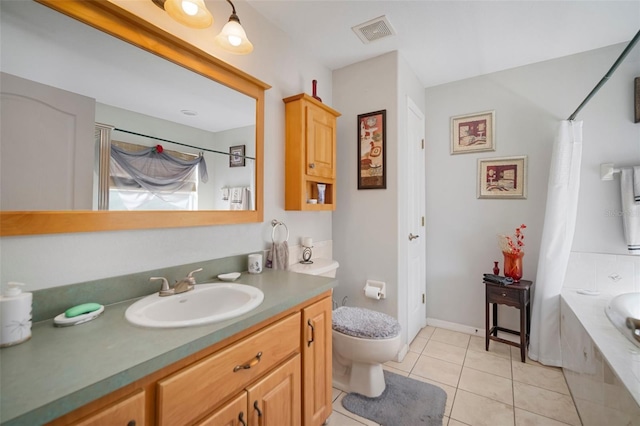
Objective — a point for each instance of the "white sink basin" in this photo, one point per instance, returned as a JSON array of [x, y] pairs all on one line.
[[624, 312], [205, 304]]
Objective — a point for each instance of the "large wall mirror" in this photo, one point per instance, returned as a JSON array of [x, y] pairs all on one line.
[[142, 90]]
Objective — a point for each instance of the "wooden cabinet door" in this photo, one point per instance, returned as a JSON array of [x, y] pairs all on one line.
[[125, 412], [233, 413], [316, 363], [321, 142], [275, 399]]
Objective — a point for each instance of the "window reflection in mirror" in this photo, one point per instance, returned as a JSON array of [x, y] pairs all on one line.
[[54, 163]]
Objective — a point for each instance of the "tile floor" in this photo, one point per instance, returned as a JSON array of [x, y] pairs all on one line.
[[483, 388]]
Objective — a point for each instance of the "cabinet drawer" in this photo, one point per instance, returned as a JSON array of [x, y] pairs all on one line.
[[191, 392], [504, 295], [127, 411]]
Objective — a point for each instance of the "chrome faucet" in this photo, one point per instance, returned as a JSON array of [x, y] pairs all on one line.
[[186, 284]]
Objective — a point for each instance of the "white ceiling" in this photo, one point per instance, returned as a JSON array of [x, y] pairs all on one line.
[[445, 41]]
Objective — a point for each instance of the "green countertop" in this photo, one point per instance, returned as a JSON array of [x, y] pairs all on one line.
[[61, 369]]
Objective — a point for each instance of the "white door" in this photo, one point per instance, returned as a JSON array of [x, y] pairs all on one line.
[[416, 260]]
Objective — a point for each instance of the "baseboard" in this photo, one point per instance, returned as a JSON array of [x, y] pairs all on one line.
[[402, 353], [455, 327]]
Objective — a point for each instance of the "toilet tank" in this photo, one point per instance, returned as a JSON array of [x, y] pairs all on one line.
[[320, 267]]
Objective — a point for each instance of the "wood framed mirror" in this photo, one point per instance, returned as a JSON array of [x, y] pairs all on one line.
[[115, 21]]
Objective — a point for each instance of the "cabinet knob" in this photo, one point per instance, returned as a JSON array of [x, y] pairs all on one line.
[[504, 294], [249, 364], [312, 165], [131, 423]]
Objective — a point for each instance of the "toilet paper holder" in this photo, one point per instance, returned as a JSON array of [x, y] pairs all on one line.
[[380, 286]]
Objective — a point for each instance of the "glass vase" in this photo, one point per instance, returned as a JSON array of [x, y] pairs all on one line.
[[513, 265]]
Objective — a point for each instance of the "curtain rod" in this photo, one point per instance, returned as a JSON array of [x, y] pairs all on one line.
[[181, 144], [623, 55]]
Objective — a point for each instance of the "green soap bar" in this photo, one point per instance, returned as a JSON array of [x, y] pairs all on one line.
[[85, 308]]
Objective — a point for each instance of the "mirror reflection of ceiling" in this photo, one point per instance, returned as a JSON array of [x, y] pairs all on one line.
[[77, 58]]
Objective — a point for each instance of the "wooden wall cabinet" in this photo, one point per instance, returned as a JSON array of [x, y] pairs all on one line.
[[276, 373], [310, 157]]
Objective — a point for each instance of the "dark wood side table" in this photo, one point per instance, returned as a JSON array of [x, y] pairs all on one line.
[[518, 296]]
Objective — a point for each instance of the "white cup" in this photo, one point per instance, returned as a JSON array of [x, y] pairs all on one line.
[[255, 263]]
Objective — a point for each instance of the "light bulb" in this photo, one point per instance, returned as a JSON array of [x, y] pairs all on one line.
[[189, 8], [234, 40]]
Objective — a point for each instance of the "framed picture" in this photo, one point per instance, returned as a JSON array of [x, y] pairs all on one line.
[[502, 177], [372, 173], [236, 156], [473, 132], [637, 99]]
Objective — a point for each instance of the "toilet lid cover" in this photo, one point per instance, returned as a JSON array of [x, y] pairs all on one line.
[[365, 323]]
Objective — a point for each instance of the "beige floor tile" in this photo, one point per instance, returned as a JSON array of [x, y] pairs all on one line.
[[477, 343], [337, 407], [450, 390], [451, 337], [483, 361], [543, 377], [418, 344], [515, 355], [438, 370], [395, 370], [525, 418], [478, 410], [445, 352], [426, 332], [545, 402], [407, 363], [339, 419], [454, 422], [485, 384]]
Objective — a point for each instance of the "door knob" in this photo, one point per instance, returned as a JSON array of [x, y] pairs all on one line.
[[412, 237]]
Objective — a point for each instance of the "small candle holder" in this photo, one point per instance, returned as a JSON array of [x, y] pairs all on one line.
[[306, 255]]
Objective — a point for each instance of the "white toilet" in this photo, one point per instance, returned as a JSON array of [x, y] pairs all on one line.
[[363, 340]]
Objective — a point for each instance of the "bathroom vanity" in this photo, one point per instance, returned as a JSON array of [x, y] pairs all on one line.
[[270, 365]]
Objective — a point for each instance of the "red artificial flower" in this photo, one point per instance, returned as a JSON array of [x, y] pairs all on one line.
[[159, 149]]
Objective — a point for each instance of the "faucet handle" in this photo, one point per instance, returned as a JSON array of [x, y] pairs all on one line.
[[191, 274], [165, 283]]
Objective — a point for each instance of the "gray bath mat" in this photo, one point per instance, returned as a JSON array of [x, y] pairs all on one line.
[[404, 402]]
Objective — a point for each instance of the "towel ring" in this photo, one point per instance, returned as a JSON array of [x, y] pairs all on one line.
[[275, 224]]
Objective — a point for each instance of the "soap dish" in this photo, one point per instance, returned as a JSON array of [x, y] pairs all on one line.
[[63, 321], [232, 276]]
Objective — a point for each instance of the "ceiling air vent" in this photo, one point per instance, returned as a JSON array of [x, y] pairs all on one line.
[[374, 29]]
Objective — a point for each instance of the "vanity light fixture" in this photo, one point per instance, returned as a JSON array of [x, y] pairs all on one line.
[[192, 13], [233, 38]]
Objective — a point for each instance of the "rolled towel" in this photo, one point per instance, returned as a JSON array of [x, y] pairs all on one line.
[[630, 211]]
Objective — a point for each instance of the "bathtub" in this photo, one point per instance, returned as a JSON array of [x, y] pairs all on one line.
[[601, 365]]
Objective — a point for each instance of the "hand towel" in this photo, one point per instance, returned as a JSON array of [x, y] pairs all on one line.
[[278, 257], [239, 198], [630, 211], [636, 184]]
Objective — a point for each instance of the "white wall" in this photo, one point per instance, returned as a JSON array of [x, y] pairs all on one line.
[[54, 260], [365, 221], [529, 102]]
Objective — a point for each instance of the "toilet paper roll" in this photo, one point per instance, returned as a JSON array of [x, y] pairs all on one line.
[[372, 292]]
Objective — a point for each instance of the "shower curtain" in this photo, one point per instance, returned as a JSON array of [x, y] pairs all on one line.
[[555, 247]]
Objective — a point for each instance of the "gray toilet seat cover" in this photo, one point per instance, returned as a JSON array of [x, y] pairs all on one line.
[[364, 323]]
